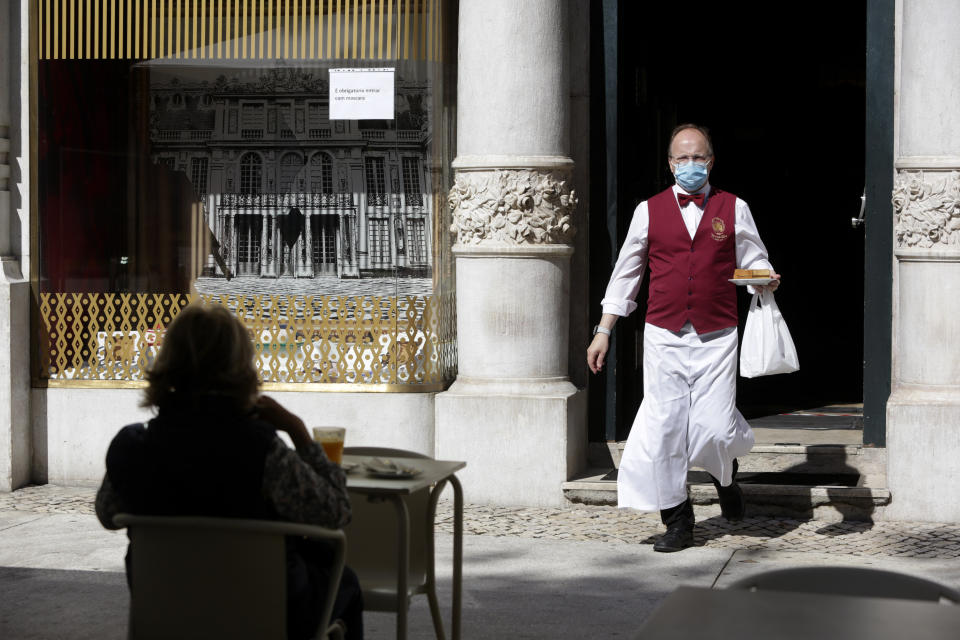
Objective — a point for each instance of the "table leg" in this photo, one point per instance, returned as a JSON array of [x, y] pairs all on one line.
[[457, 555], [403, 564], [431, 561]]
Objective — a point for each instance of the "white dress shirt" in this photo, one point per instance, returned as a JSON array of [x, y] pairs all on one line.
[[628, 272]]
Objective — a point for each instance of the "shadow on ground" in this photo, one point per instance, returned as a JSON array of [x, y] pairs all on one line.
[[551, 589], [43, 604], [784, 512]]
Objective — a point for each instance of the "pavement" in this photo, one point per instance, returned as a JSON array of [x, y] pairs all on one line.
[[537, 573]]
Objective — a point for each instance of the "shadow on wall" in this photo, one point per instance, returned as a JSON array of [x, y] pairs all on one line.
[[38, 433]]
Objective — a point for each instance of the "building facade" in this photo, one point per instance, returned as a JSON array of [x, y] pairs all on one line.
[[286, 192]]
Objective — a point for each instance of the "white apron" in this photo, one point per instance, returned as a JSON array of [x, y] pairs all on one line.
[[688, 417]]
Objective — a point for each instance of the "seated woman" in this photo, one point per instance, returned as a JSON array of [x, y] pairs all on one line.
[[213, 450]]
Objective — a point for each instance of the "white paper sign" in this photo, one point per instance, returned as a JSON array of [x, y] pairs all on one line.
[[361, 94]]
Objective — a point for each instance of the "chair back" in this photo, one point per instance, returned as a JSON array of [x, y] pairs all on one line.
[[194, 577], [372, 530], [850, 581]]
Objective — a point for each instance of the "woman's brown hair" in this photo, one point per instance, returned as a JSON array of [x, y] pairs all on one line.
[[206, 350]]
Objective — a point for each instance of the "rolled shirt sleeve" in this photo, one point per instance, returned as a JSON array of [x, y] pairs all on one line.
[[620, 297], [751, 252]]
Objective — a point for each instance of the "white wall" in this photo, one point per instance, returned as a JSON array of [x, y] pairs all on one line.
[[73, 427]]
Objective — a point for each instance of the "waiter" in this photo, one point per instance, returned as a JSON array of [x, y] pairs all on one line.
[[693, 236]]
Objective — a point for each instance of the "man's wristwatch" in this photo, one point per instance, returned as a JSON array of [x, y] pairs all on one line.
[[598, 329]]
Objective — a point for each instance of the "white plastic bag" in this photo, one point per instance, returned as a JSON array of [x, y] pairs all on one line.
[[767, 347]]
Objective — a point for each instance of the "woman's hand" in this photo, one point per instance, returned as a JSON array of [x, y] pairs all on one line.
[[271, 411]]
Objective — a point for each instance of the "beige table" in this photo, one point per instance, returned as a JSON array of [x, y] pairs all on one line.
[[433, 477], [694, 613]]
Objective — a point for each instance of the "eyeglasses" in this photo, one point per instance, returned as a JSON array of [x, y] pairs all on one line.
[[679, 160]]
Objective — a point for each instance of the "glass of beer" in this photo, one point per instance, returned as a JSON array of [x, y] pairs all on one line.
[[331, 439]]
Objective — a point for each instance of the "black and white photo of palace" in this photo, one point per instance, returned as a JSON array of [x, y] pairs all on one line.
[[287, 193]]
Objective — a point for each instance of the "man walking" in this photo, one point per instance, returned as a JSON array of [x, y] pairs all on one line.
[[693, 237]]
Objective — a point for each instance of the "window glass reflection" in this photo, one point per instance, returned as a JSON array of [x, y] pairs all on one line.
[[196, 159]]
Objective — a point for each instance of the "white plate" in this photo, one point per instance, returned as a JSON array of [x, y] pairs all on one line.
[[394, 475], [386, 468], [742, 282], [349, 466]]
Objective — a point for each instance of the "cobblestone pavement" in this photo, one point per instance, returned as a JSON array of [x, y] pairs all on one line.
[[607, 524], [48, 498], [319, 286]]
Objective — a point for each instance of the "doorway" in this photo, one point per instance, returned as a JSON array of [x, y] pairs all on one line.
[[323, 230], [784, 96], [249, 232]]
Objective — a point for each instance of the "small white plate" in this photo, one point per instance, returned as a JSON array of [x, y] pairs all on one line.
[[386, 468], [349, 466], [742, 282], [395, 475]]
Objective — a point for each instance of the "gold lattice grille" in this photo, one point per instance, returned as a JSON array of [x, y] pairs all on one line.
[[241, 29], [405, 342]]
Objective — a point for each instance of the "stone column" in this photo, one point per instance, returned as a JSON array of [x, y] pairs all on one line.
[[360, 196], [512, 413], [308, 245], [211, 202], [923, 413], [231, 235], [398, 244], [347, 255], [264, 243], [428, 220], [15, 436], [341, 248]]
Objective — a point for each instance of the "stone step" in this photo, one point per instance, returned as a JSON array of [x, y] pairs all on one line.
[[774, 494], [868, 462], [804, 464], [824, 439]]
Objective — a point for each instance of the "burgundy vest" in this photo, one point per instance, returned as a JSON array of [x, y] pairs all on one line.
[[689, 279]]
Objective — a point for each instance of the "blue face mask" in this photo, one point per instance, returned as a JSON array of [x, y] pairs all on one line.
[[691, 176]]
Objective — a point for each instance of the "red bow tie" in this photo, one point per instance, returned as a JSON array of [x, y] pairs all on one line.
[[686, 198]]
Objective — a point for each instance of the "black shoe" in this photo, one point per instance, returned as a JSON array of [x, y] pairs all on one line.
[[732, 503], [679, 521], [676, 538]]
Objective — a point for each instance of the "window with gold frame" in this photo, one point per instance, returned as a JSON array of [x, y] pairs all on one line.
[[185, 153]]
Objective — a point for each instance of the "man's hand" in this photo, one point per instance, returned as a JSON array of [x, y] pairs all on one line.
[[772, 286], [597, 352]]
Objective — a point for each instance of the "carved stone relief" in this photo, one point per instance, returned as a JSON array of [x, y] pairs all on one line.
[[927, 209], [512, 206]]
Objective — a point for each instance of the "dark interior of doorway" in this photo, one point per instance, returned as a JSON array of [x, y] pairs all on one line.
[[783, 92]]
